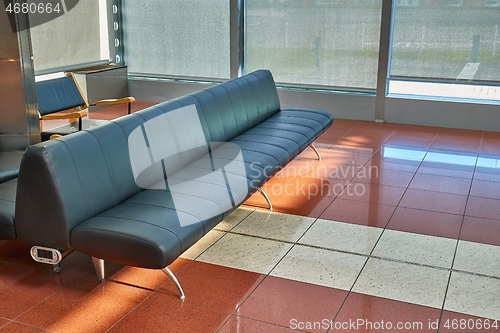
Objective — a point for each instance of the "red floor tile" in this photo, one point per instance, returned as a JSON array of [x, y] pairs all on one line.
[[304, 196], [426, 222], [488, 168], [147, 279], [309, 154], [485, 231], [485, 189], [287, 303], [75, 265], [21, 328], [402, 153], [430, 168], [490, 143], [375, 175], [242, 324], [384, 161], [458, 139], [162, 313], [413, 136], [214, 287], [326, 170], [373, 193], [338, 154], [449, 163], [12, 251], [452, 322], [483, 207], [22, 288], [441, 184], [85, 307], [3, 322], [358, 212], [338, 129], [434, 201], [372, 312]]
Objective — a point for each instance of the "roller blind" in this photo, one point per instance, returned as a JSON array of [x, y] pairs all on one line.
[[72, 40], [447, 40], [314, 42], [187, 38]]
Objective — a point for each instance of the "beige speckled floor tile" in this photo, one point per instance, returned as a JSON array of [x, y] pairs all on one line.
[[474, 295], [403, 282], [478, 258], [236, 217], [416, 248], [204, 243], [244, 252], [342, 236], [321, 267], [284, 227]]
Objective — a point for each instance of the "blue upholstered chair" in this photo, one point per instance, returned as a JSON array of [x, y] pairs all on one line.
[[62, 98]]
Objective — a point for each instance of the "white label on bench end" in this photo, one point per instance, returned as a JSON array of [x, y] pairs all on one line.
[[46, 255]]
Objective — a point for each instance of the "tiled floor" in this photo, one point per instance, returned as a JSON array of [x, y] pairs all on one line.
[[396, 229]]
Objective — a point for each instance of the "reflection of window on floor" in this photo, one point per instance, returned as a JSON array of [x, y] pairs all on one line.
[[483, 164]]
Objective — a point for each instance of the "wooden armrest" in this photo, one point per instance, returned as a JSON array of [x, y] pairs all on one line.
[[115, 101], [65, 115]]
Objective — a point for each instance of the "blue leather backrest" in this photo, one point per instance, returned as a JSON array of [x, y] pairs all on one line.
[[66, 181], [232, 107], [57, 95]]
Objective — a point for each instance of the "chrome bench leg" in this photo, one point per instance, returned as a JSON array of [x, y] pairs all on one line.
[[99, 268], [316, 151], [261, 191], [171, 275]]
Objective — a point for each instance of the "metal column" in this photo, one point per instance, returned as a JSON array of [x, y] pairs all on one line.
[[19, 125]]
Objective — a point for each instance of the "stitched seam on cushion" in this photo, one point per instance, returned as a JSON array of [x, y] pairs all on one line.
[[225, 171], [190, 195], [162, 207], [108, 167], [230, 172], [133, 236], [199, 181], [281, 122], [272, 136], [253, 95], [319, 122], [281, 137], [238, 90], [259, 152], [263, 125], [264, 143], [204, 116], [78, 175], [259, 85], [209, 91]]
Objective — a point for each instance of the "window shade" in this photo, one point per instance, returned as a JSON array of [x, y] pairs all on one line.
[[188, 38], [447, 40], [315, 42], [71, 40]]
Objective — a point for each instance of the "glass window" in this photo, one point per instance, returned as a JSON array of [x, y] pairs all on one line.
[[314, 42], [187, 38], [76, 38], [446, 40]]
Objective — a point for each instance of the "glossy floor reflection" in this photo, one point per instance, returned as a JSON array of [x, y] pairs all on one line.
[[397, 225]]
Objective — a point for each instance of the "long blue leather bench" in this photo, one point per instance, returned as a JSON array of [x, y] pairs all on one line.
[[142, 189]]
